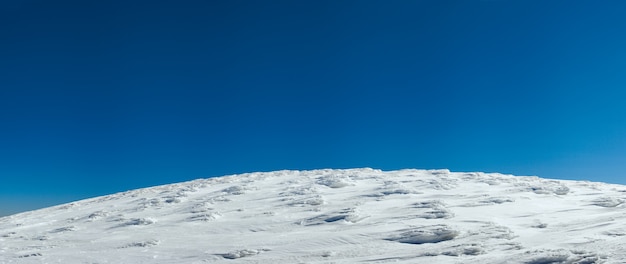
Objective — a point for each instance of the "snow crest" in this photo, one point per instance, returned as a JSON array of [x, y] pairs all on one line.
[[332, 216]]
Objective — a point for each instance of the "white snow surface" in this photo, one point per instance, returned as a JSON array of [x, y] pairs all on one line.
[[332, 216]]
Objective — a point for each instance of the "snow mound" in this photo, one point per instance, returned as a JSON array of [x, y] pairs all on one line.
[[332, 216]]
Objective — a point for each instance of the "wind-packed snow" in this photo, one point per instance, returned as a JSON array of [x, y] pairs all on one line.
[[332, 216]]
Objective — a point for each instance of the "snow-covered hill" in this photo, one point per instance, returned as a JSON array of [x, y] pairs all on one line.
[[332, 216]]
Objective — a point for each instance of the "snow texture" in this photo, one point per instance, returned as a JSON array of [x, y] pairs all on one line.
[[332, 216]]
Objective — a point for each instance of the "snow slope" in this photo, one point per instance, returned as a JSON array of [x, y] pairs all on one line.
[[332, 216]]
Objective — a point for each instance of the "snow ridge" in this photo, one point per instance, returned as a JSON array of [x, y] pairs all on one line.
[[332, 216]]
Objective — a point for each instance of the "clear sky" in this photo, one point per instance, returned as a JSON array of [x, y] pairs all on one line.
[[98, 97]]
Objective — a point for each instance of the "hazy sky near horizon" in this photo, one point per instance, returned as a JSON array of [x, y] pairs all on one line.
[[99, 97]]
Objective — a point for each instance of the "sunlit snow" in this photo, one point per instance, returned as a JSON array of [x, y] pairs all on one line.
[[332, 216]]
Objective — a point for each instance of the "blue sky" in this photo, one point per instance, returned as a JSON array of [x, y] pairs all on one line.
[[98, 97]]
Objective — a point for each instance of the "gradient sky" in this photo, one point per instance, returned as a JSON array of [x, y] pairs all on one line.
[[98, 97]]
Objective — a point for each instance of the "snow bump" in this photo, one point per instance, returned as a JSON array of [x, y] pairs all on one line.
[[425, 234]]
